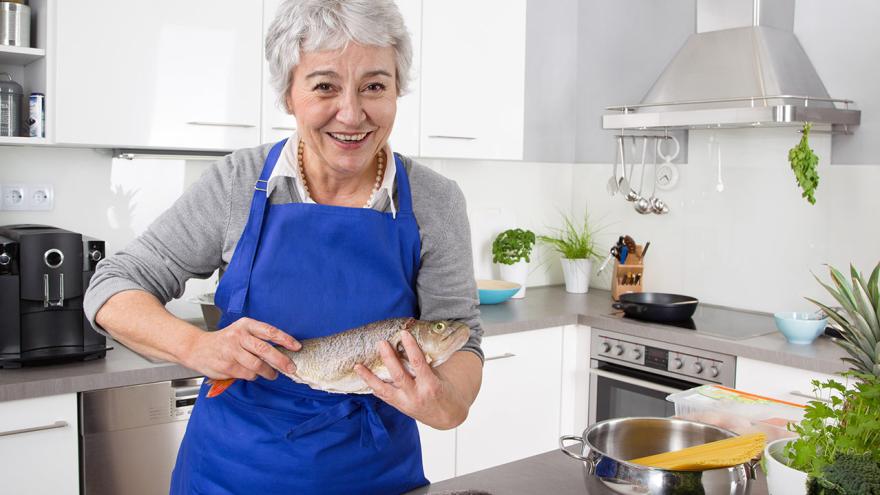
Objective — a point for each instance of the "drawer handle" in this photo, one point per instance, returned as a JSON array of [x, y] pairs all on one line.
[[57, 424], [283, 128], [503, 356], [808, 396], [221, 124], [465, 138]]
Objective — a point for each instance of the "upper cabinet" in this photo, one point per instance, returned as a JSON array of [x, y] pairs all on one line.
[[498, 79], [405, 134], [277, 124], [160, 74]]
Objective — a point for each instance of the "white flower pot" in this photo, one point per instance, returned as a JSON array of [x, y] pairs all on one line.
[[781, 479], [577, 274], [518, 273]]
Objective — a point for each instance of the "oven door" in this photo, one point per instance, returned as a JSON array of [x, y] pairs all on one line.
[[619, 392]]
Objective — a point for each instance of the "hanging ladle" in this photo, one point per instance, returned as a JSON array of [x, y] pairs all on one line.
[[642, 205], [613, 184], [631, 195]]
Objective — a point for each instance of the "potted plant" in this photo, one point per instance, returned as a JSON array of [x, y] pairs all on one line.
[[512, 250], [838, 449], [577, 246]]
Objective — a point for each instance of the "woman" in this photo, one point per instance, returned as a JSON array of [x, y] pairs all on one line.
[[319, 233]]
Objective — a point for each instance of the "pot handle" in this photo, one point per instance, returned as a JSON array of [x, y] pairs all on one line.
[[752, 468], [591, 465], [638, 308]]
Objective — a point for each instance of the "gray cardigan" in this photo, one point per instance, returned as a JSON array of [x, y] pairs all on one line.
[[198, 234]]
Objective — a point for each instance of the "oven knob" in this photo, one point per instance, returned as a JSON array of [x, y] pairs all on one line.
[[677, 363], [606, 347], [636, 354], [95, 255], [698, 367], [618, 349], [713, 370]]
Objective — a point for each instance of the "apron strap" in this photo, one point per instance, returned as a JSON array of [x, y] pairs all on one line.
[[404, 195], [373, 431], [251, 237]]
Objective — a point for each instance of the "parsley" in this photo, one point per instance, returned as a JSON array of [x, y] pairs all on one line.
[[804, 163]]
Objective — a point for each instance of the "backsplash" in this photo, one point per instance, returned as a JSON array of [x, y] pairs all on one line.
[[751, 246]]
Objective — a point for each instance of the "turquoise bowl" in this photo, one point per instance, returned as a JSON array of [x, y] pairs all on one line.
[[496, 291], [800, 328]]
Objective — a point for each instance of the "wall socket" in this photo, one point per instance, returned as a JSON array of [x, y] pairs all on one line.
[[27, 197]]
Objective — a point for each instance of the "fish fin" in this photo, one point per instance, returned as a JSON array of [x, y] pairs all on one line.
[[218, 386]]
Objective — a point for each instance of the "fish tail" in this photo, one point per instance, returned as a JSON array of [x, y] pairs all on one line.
[[218, 386]]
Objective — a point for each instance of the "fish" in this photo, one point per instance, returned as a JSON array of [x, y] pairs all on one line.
[[327, 363]]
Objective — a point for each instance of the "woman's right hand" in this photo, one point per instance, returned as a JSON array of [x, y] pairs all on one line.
[[241, 350]]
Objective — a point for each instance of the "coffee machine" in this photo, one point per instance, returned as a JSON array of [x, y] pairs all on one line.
[[44, 273]]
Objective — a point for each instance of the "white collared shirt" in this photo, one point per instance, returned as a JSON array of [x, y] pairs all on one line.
[[286, 166]]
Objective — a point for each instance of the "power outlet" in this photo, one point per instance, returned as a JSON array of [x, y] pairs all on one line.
[[27, 197]]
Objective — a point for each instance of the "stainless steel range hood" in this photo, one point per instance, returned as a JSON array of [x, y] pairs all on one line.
[[743, 68]]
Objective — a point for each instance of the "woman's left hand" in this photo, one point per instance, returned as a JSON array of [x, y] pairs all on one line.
[[438, 397]]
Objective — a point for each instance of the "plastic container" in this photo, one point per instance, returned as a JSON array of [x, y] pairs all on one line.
[[737, 411]]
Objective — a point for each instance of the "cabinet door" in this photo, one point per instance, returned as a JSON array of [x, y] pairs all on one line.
[[777, 381], [438, 453], [405, 135], [38, 446], [277, 124], [159, 74], [517, 412], [473, 73]]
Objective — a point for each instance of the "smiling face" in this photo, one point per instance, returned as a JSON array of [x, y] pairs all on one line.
[[344, 102]]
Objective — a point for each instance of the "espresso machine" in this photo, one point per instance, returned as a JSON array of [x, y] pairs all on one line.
[[44, 273]]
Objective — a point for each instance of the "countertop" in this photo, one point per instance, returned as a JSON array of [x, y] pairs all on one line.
[[549, 473], [542, 307]]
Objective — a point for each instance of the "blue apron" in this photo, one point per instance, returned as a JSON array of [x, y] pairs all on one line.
[[310, 270]]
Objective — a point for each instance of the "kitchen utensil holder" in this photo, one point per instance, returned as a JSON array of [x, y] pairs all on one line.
[[627, 276]]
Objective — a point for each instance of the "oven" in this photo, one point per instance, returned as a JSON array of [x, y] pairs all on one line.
[[631, 376]]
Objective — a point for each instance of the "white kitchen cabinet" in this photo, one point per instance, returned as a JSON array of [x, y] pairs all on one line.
[[405, 134], [438, 453], [498, 79], [777, 381], [517, 413], [38, 446], [277, 124], [159, 74]]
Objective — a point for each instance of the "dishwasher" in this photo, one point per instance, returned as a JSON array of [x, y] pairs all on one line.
[[129, 436]]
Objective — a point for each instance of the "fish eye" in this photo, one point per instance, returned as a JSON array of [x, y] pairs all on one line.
[[439, 327]]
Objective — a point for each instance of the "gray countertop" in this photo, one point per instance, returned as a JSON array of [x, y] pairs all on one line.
[[541, 308], [549, 473]]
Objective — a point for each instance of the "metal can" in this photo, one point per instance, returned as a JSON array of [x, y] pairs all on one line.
[[37, 115]]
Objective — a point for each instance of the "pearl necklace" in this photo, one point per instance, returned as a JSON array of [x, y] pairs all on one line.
[[380, 158]]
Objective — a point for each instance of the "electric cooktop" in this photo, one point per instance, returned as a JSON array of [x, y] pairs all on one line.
[[721, 322]]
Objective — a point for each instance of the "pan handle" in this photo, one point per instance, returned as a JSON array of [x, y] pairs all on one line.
[[636, 308], [591, 465]]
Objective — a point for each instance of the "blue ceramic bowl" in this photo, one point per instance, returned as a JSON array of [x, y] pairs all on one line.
[[496, 291], [800, 328]]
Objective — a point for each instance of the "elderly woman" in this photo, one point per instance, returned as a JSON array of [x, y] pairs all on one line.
[[322, 232]]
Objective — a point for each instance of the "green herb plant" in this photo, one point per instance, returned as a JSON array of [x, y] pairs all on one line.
[[804, 164], [573, 241], [848, 425], [513, 245]]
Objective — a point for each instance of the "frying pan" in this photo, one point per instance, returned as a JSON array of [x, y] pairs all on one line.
[[657, 306]]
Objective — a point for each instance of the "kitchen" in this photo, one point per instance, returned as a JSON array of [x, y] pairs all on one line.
[[751, 246]]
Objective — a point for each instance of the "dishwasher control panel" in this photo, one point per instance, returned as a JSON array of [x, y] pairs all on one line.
[[136, 406], [647, 354]]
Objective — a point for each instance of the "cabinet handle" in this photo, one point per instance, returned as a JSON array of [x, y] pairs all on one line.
[[283, 128], [634, 381], [503, 356], [221, 124], [808, 396], [57, 424], [465, 138]]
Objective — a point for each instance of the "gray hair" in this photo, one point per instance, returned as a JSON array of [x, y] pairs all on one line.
[[302, 26]]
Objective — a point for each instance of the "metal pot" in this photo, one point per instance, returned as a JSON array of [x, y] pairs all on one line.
[[657, 306], [15, 24], [607, 445]]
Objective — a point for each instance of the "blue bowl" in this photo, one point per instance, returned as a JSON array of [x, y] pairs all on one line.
[[496, 291], [800, 328]]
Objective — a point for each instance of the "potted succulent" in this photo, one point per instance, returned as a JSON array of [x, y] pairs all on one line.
[[576, 245], [838, 448], [512, 250]]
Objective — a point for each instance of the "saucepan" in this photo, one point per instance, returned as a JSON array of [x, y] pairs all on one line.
[[607, 445], [657, 306]]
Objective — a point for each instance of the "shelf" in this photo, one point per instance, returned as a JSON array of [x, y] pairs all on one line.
[[20, 140], [18, 55]]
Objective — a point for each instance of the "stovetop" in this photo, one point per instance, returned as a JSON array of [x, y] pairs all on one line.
[[721, 322]]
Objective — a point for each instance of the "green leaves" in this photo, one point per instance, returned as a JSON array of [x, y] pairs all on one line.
[[573, 242], [513, 245], [804, 163]]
